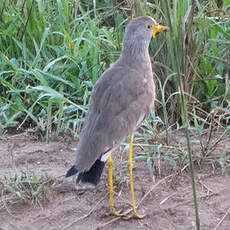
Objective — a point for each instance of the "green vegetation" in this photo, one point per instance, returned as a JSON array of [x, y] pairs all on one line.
[[53, 52], [26, 186], [51, 55]]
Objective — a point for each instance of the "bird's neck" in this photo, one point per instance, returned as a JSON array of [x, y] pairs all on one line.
[[136, 55]]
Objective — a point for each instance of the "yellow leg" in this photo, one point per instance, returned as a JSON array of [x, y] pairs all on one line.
[[111, 201], [135, 215]]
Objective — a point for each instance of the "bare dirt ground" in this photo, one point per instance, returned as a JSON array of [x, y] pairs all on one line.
[[167, 203]]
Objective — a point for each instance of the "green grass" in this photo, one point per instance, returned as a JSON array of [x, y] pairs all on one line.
[[52, 53], [49, 64], [26, 186]]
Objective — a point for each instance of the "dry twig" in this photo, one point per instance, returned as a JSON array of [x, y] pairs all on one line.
[[220, 222], [84, 216]]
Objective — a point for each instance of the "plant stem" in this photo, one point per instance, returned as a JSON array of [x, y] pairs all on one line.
[[184, 112]]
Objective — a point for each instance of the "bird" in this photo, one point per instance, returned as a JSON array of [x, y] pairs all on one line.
[[120, 101]]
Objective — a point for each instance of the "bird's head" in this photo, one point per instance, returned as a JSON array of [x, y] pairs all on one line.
[[142, 29]]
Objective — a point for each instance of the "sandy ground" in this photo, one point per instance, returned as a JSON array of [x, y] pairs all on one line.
[[167, 202]]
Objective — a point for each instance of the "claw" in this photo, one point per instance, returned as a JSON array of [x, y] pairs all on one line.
[[133, 216], [115, 213]]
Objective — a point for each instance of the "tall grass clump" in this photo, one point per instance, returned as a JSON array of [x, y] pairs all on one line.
[[197, 48], [53, 52], [51, 55], [194, 77]]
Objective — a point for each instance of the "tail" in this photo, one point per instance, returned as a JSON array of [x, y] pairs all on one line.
[[91, 176], [72, 171]]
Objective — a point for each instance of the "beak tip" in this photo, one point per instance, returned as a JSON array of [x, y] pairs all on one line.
[[159, 28]]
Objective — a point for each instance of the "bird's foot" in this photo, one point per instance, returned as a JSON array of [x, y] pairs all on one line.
[[113, 212], [134, 215]]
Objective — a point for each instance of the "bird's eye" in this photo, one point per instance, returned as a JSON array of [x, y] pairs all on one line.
[[149, 26]]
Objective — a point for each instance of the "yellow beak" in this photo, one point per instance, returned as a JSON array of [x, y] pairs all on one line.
[[158, 28]]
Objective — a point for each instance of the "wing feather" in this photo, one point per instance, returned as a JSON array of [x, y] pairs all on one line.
[[115, 107]]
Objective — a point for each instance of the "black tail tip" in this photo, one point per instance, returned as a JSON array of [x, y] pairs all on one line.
[[72, 171], [93, 175]]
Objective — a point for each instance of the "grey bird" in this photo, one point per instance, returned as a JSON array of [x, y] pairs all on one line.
[[121, 99]]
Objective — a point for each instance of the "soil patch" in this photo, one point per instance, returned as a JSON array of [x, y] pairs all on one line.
[[168, 205]]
